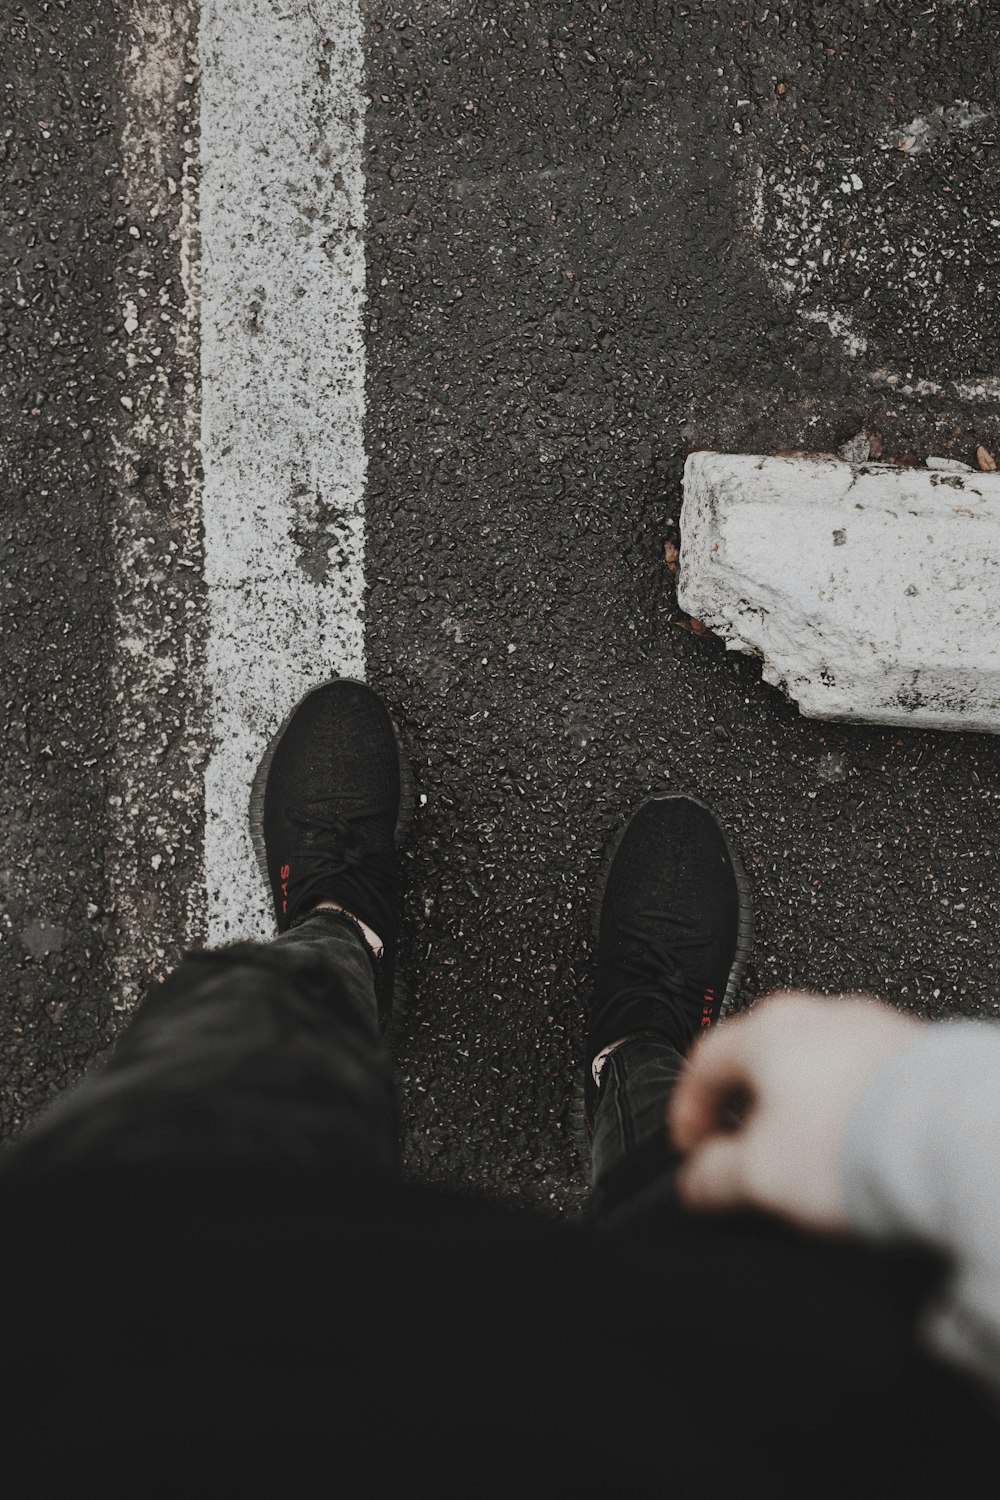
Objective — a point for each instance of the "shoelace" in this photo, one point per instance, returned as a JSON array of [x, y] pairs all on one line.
[[332, 849], [655, 965]]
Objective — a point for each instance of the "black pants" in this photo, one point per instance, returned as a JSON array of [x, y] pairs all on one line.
[[216, 1283], [270, 1054]]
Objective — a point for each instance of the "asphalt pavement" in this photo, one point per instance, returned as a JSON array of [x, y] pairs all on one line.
[[60, 196], [597, 237], [579, 222]]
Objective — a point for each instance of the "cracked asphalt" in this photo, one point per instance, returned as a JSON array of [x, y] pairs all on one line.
[[597, 237]]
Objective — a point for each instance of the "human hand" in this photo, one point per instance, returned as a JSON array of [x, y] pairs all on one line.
[[762, 1108]]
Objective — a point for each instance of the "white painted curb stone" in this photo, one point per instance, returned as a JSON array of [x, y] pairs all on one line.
[[871, 592]]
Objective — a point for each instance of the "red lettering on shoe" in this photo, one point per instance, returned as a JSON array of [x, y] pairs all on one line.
[[286, 870], [707, 1009]]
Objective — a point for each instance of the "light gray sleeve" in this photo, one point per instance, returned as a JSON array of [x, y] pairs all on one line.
[[922, 1160]]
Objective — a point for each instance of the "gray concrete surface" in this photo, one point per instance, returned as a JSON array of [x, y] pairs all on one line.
[[580, 223]]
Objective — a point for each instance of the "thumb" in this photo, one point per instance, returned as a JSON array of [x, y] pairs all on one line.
[[714, 1176], [718, 1077]]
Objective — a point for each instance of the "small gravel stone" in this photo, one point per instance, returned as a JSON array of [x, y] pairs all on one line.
[[856, 450]]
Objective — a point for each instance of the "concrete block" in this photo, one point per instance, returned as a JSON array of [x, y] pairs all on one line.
[[871, 592]]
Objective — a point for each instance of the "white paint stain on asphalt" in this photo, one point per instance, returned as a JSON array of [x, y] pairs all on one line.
[[154, 805], [282, 214], [847, 215]]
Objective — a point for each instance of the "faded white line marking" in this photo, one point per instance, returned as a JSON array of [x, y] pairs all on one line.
[[155, 905], [283, 394]]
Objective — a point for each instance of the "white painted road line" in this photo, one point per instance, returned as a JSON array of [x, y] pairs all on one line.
[[283, 369]]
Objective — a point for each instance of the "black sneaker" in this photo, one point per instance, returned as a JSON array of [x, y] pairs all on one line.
[[675, 930], [330, 799]]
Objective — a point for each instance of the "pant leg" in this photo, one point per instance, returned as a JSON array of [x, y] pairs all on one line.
[[633, 1160], [256, 1053]]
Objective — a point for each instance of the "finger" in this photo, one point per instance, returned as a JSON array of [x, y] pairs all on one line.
[[723, 1076], [719, 1076], [715, 1176]]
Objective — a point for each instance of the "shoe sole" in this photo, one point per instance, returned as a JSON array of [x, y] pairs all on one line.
[[399, 1000], [744, 943]]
